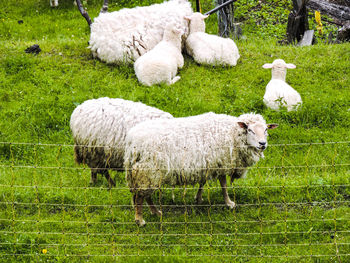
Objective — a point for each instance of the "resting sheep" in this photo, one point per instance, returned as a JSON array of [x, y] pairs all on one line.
[[161, 63], [123, 36], [99, 127], [278, 93], [209, 49], [191, 150]]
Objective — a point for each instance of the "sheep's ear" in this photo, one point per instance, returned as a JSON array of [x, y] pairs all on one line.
[[272, 126], [267, 65], [291, 66], [243, 125]]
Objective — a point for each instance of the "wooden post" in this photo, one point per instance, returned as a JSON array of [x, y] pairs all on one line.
[[198, 6], [297, 21], [226, 19]]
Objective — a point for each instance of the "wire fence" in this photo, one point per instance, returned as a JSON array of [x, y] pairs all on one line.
[[293, 205]]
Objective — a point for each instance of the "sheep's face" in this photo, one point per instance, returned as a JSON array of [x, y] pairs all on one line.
[[197, 23], [257, 134]]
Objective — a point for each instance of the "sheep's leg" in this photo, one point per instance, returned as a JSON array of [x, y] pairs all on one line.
[[138, 202], [152, 207], [93, 177], [198, 197], [108, 177], [176, 78], [228, 201]]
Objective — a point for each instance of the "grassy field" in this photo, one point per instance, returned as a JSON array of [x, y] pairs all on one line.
[[292, 207]]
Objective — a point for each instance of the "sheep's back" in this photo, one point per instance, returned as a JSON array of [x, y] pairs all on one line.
[[212, 49], [277, 92], [181, 150], [99, 128], [125, 35]]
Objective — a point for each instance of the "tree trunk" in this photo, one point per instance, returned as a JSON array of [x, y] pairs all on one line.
[[339, 12], [297, 22], [226, 19]]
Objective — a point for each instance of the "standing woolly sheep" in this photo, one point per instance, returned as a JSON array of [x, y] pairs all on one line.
[[209, 49], [125, 35], [161, 63], [99, 127], [278, 93], [191, 150]]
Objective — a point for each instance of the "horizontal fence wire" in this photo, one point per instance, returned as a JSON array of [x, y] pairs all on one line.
[[295, 206]]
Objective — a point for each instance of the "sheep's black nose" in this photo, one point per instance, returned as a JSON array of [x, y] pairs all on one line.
[[262, 143]]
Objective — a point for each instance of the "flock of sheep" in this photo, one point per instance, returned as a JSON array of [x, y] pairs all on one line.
[[153, 147]]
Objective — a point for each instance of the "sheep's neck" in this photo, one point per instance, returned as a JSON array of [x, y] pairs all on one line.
[[197, 28], [175, 40], [277, 74]]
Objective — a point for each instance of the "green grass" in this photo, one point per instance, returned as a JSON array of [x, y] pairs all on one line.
[[292, 207]]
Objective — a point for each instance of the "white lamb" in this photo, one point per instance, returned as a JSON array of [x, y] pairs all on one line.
[[278, 93], [99, 127], [161, 63], [209, 49], [123, 36], [191, 150]]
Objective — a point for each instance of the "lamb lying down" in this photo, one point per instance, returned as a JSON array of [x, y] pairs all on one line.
[[278, 93], [209, 49], [161, 63], [191, 150]]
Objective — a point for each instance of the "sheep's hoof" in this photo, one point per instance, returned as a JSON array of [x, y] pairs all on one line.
[[140, 222], [231, 204]]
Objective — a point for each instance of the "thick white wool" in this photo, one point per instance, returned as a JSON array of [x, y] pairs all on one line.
[[278, 93], [209, 49], [99, 127], [191, 150], [124, 35], [161, 63]]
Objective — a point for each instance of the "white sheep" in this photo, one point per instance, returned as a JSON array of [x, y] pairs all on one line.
[[209, 49], [99, 127], [278, 93], [161, 63], [123, 36], [191, 150]]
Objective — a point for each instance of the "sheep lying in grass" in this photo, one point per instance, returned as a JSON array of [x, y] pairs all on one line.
[[99, 127], [278, 93], [161, 63], [123, 36], [187, 151], [209, 49]]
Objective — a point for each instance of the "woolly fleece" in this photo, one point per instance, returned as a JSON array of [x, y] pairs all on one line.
[[123, 36]]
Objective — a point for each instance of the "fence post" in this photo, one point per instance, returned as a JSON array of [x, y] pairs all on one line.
[[297, 21], [226, 20]]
